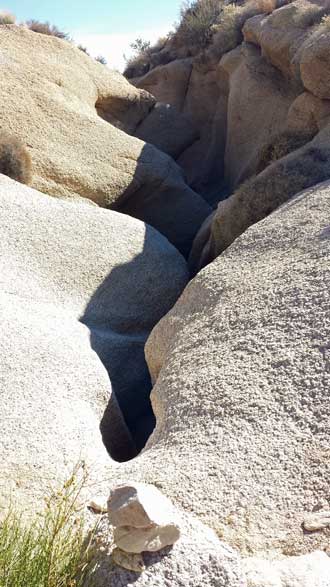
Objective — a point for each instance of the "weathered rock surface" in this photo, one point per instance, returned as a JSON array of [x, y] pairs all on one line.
[[262, 194], [168, 130], [315, 63], [242, 95], [74, 279], [169, 83], [311, 570], [68, 118], [241, 378], [281, 34], [308, 113], [198, 559], [240, 365], [200, 94], [128, 560], [317, 521], [257, 92]]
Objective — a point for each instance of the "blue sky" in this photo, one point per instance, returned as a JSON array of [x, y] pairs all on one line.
[[106, 27]]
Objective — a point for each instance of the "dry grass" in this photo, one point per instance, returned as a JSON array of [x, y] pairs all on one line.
[[280, 146], [7, 17], [51, 550], [228, 33], [45, 28], [212, 25], [197, 20], [15, 160], [83, 49]]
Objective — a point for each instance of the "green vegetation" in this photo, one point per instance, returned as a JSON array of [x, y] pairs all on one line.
[[52, 550], [143, 52], [140, 45]]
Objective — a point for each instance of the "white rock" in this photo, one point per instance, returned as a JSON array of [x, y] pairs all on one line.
[[198, 559], [317, 521], [149, 539], [98, 504], [311, 570], [139, 505]]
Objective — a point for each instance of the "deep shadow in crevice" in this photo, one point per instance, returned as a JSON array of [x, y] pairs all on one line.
[[120, 316], [135, 295]]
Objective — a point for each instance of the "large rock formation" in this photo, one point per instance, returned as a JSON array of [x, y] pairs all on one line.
[[66, 108], [240, 365], [240, 372], [74, 278], [263, 75]]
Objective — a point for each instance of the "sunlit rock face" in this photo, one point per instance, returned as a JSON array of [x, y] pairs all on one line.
[[81, 289], [74, 115]]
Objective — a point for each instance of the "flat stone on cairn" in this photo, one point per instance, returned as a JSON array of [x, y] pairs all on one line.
[[144, 519]]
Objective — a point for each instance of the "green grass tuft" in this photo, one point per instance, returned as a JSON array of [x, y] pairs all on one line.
[[51, 550]]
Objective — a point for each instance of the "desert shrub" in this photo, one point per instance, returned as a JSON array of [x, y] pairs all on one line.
[[281, 145], [7, 17], [197, 19], [201, 20], [83, 49], [139, 63], [140, 45], [212, 25], [101, 59], [262, 194], [15, 160], [45, 28], [51, 550], [227, 34]]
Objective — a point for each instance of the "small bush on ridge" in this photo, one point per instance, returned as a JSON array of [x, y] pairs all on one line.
[[83, 49], [140, 45], [197, 20], [101, 59], [7, 17], [45, 28]]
